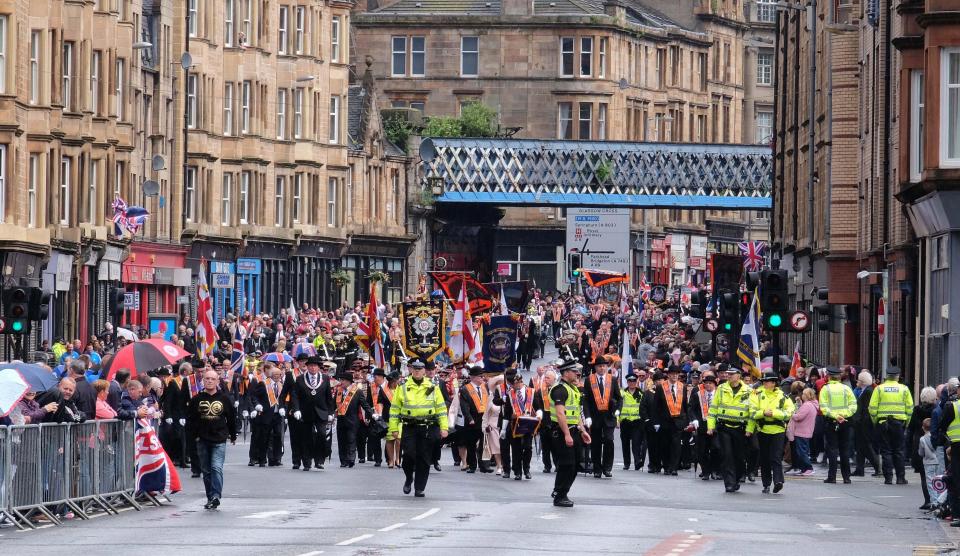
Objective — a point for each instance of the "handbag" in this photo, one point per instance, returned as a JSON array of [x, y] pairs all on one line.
[[377, 428]]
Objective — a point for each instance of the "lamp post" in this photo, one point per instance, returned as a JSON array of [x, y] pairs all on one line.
[[885, 340]]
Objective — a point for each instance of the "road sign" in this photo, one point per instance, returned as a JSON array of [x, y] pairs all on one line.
[[799, 321], [3, 325], [131, 300], [881, 320], [712, 325], [504, 269], [601, 236]]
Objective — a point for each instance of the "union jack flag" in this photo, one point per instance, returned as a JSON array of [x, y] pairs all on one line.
[[155, 472], [237, 355], [644, 288], [753, 253]]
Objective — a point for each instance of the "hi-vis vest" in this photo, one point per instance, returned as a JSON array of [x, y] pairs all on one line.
[[631, 407], [891, 400], [953, 431], [571, 408], [729, 407], [837, 400], [417, 402]]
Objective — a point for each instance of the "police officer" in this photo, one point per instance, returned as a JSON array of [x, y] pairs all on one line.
[[890, 407], [418, 405], [631, 426], [770, 409], [728, 420], [837, 404], [568, 435]]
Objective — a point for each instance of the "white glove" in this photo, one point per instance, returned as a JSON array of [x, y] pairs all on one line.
[[297, 415], [588, 422], [376, 416], [168, 421], [253, 414], [236, 404], [539, 414], [259, 408], [656, 428], [503, 434], [282, 412], [183, 422], [246, 413], [695, 423], [616, 413], [330, 419]]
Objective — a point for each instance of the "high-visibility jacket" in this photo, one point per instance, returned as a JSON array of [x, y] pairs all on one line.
[[571, 408], [780, 406], [891, 400], [837, 400], [953, 431], [729, 407], [631, 406], [419, 402]]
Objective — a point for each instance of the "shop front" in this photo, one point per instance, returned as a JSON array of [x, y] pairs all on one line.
[[274, 260], [310, 269], [368, 254], [61, 320], [152, 275], [219, 258], [248, 285]]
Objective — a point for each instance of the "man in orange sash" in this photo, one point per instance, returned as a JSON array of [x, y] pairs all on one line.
[[474, 398], [517, 403], [671, 406], [349, 402], [603, 401]]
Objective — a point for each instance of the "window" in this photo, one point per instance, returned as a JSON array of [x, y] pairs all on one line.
[[35, 38], [764, 127], [661, 67], [282, 30], [278, 208], [335, 39], [586, 56], [281, 114], [244, 197], [939, 254], [398, 67], [3, 55], [395, 183], [469, 56], [299, 29], [65, 164], [916, 124], [602, 69], [118, 179], [120, 84], [566, 56], [33, 180], [67, 83], [348, 194], [586, 120], [602, 122], [297, 197], [225, 194], [701, 135], [190, 197], [766, 11], [702, 71], [191, 101], [332, 203], [95, 82], [764, 68], [418, 105], [228, 108], [228, 22], [193, 17], [418, 56], [297, 113], [92, 192], [247, 22], [565, 120], [245, 107], [950, 108], [334, 119]]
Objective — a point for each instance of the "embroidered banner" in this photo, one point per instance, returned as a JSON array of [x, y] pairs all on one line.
[[424, 323]]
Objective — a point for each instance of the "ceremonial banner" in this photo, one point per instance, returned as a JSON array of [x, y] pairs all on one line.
[[423, 328], [155, 472], [499, 344], [516, 294], [597, 278], [481, 299]]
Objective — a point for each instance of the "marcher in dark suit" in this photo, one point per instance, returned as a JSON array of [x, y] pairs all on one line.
[[651, 422], [351, 404], [603, 400], [517, 402], [270, 396], [311, 404], [360, 367], [671, 407], [474, 398], [541, 394], [707, 446]]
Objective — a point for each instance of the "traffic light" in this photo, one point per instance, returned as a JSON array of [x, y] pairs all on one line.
[[773, 298], [698, 309], [826, 316], [39, 305], [730, 313], [574, 262], [16, 310], [116, 301], [752, 281]]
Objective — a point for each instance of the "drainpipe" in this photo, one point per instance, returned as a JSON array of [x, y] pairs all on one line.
[[812, 24]]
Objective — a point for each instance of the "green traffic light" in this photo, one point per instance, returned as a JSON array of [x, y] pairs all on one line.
[[727, 326], [576, 273], [17, 326], [775, 320]]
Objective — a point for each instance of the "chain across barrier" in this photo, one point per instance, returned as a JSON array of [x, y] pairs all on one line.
[[51, 469]]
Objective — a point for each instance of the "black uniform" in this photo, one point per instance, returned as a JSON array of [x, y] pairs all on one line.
[[268, 425], [472, 432], [520, 447], [348, 421], [313, 398], [171, 433], [632, 437], [545, 446], [707, 446], [671, 426], [604, 421], [651, 418]]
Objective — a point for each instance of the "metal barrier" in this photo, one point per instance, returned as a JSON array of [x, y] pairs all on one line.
[[51, 469]]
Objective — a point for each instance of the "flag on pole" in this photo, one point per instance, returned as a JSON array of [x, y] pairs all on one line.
[[796, 364], [292, 312], [369, 333], [237, 355], [626, 362], [644, 288], [753, 252], [462, 338], [206, 334], [748, 350], [504, 309]]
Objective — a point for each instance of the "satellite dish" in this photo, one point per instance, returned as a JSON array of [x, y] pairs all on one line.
[[623, 84], [186, 61], [158, 162], [151, 188], [427, 150], [440, 263]]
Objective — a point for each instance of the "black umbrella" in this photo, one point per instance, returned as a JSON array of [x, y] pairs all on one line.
[[39, 378]]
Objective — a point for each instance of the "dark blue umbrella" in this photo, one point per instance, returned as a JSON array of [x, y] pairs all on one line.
[[38, 377]]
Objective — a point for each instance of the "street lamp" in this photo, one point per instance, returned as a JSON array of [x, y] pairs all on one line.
[[885, 342], [305, 78]]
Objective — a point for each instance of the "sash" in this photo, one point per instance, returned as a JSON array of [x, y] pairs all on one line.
[[595, 311], [344, 399], [453, 386], [387, 392], [545, 397], [704, 406], [271, 396], [527, 408], [557, 312], [375, 398], [673, 406], [479, 398], [603, 402]]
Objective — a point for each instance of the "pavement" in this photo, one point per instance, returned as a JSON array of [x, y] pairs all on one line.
[[362, 511]]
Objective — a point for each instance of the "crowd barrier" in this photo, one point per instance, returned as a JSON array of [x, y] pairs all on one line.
[[51, 469]]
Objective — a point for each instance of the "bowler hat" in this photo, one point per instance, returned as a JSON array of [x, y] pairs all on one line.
[[476, 370], [379, 372], [314, 360]]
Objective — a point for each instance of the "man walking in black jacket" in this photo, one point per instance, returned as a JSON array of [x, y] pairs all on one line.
[[211, 419]]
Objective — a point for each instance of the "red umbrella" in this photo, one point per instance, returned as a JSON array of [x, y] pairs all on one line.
[[143, 356]]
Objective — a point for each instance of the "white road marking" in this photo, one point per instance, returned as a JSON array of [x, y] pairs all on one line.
[[266, 515], [354, 539], [889, 496], [688, 530], [425, 514], [391, 527], [549, 516], [692, 519], [314, 553], [830, 527], [827, 498]]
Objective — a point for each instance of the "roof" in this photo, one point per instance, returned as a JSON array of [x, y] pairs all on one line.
[[473, 7], [355, 124]]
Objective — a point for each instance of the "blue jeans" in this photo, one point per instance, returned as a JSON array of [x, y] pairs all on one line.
[[801, 453], [212, 455]]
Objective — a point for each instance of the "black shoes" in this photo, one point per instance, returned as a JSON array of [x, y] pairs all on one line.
[[858, 473], [730, 489], [830, 481], [195, 475], [847, 481], [306, 468], [563, 502], [419, 494], [526, 475], [471, 470], [263, 465], [406, 487], [297, 466], [215, 503], [750, 478], [608, 474], [777, 487], [208, 505], [547, 470], [626, 467], [436, 467], [507, 476], [350, 465], [597, 475], [517, 478], [251, 464], [888, 480], [955, 523], [766, 490], [902, 481], [377, 464]]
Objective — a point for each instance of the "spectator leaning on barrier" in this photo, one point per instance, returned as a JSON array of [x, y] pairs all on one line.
[[131, 404], [104, 410], [32, 411], [84, 397], [67, 411], [211, 419]]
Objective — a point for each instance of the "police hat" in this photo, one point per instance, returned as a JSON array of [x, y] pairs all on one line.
[[709, 378], [770, 375], [892, 371], [570, 365], [379, 372], [476, 370], [732, 369], [631, 377], [418, 364], [314, 360], [833, 371]]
